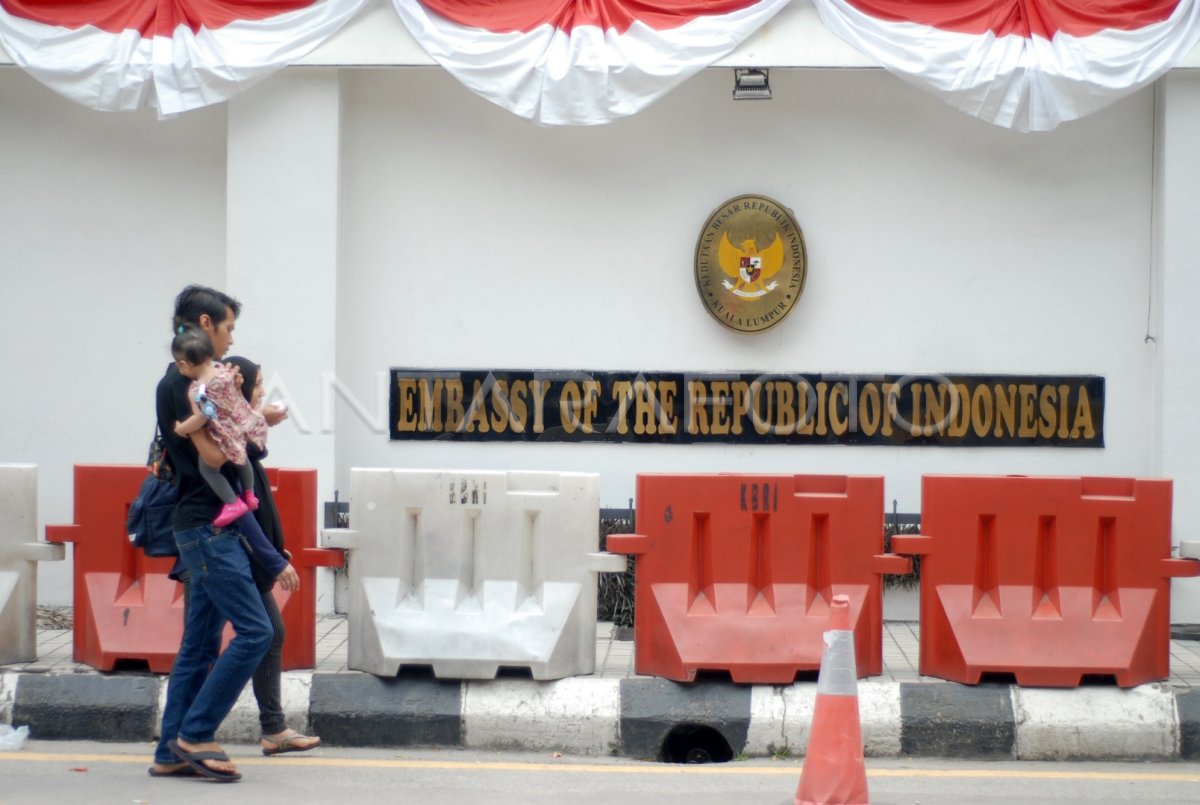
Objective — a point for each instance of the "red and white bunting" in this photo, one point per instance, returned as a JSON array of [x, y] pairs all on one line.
[[579, 62], [1024, 64], [176, 55], [1028, 65]]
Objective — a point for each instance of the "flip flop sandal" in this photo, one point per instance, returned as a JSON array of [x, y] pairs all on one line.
[[182, 771], [285, 745], [195, 760]]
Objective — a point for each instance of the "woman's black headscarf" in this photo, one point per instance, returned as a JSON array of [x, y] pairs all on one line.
[[250, 371], [267, 514]]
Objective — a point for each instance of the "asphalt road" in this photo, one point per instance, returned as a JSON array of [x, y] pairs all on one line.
[[98, 773]]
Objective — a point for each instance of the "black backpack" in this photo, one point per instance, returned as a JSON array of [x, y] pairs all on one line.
[[149, 524]]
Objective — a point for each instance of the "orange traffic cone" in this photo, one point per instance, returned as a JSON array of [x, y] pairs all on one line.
[[834, 772]]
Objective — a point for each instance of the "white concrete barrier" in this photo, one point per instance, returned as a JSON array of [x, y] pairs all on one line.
[[20, 551], [470, 571]]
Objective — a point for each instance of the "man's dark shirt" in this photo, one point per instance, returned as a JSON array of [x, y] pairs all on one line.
[[198, 504]]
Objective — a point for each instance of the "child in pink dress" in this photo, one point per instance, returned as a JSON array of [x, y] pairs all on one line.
[[218, 404]]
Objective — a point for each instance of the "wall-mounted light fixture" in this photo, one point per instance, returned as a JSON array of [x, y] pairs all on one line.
[[751, 84]]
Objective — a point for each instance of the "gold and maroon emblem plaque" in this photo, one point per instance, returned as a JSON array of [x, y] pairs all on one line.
[[750, 263]]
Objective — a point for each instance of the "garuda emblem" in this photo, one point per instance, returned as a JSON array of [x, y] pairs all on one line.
[[748, 268], [750, 263]]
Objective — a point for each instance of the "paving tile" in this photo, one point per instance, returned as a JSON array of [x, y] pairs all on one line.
[[614, 658]]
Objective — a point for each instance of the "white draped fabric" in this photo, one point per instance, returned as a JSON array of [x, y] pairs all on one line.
[[565, 66], [1028, 65], [122, 55]]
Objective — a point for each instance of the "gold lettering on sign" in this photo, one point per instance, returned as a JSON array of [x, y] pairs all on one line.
[[664, 407]]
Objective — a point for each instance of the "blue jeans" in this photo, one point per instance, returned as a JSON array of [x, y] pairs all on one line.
[[205, 682]]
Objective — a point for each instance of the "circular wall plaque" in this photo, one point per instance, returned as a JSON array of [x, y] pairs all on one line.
[[750, 263]]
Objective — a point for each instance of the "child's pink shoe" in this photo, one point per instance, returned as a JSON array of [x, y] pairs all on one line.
[[251, 500], [230, 512]]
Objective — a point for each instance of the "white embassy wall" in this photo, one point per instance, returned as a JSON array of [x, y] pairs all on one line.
[[467, 238], [936, 243], [103, 219]]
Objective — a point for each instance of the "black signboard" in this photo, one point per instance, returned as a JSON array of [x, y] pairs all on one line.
[[747, 408]]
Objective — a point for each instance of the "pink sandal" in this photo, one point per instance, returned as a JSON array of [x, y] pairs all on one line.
[[230, 512]]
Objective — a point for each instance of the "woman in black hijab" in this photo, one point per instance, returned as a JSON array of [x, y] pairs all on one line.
[[277, 737]]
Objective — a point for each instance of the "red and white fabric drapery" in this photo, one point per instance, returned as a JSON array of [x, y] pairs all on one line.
[[175, 55], [574, 62], [579, 62], [1022, 64]]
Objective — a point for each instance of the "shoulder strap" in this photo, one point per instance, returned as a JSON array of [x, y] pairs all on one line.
[[158, 461]]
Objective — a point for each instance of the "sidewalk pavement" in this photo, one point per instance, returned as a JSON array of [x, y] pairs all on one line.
[[615, 711]]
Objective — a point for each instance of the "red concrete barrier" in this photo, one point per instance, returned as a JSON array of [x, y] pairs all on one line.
[[128, 612], [126, 609], [1046, 579], [296, 498], [737, 572]]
